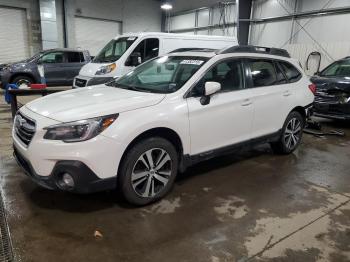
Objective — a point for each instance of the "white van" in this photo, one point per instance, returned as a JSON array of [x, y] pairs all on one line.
[[126, 51]]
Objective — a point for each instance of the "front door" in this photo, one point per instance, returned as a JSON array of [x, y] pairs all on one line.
[[227, 119], [53, 63], [147, 48]]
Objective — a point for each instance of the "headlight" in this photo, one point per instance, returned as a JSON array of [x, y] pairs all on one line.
[[79, 130], [105, 69]]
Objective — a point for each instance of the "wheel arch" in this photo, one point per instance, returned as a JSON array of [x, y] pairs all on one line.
[[23, 74], [300, 110], [164, 132]]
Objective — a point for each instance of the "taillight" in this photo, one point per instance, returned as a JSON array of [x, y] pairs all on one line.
[[312, 88]]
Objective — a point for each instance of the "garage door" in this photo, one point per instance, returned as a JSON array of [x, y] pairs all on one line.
[[14, 44], [93, 34]]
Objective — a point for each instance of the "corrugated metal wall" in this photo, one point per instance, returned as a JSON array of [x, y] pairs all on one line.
[[329, 34]]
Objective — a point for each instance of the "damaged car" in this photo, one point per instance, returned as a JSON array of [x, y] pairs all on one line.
[[332, 98]]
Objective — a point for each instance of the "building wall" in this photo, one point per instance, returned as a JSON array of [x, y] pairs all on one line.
[[33, 17], [329, 35], [184, 5], [136, 15]]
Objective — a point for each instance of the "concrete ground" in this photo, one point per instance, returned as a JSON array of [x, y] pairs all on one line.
[[249, 206]]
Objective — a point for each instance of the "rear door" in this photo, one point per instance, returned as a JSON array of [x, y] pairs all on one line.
[[270, 96], [74, 62]]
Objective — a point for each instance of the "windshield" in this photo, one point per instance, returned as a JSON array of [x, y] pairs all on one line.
[[339, 68], [161, 75], [114, 50]]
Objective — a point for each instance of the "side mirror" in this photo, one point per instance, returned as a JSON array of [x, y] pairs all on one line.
[[210, 88], [134, 59]]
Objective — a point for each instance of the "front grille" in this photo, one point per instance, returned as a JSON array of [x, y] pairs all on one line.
[[24, 128], [80, 82]]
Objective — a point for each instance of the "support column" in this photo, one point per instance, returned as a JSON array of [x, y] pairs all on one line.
[[244, 11], [48, 18]]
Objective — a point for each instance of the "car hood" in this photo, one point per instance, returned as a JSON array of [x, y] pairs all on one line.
[[3, 65], [332, 83], [91, 102]]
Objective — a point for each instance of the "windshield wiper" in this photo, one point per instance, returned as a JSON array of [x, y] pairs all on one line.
[[133, 88]]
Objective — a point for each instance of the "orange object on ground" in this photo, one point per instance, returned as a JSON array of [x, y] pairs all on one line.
[[38, 86]]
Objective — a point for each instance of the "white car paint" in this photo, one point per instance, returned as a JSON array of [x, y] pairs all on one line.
[[167, 43], [231, 117]]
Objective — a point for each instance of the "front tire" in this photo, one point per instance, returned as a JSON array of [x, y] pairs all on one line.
[[292, 133], [148, 171], [22, 80]]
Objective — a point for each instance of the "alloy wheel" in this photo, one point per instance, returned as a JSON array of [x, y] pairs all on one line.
[[151, 172], [292, 133], [24, 82]]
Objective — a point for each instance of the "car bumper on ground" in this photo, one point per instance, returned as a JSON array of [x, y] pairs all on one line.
[[332, 110], [84, 179]]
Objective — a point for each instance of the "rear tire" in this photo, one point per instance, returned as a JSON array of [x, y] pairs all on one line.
[[22, 80], [292, 132], [148, 171]]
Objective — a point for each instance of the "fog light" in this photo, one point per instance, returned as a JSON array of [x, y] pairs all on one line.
[[67, 180]]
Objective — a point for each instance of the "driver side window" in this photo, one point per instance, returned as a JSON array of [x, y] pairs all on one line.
[[228, 73], [52, 58], [148, 49]]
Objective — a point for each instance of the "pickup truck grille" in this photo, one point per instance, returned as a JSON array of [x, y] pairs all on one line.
[[24, 128], [80, 82]]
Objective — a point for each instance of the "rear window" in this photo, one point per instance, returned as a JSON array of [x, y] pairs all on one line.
[[339, 68], [74, 57], [290, 71], [264, 73]]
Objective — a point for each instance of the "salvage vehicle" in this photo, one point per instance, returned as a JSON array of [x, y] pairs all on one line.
[[332, 98], [125, 52], [60, 68], [171, 112]]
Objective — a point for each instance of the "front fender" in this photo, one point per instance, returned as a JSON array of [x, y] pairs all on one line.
[[131, 124]]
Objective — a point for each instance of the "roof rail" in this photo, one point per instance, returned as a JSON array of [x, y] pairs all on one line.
[[255, 49], [193, 49]]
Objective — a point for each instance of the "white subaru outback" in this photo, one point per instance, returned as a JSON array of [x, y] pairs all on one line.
[[137, 132]]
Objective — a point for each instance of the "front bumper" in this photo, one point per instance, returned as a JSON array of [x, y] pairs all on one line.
[[99, 156], [83, 81], [332, 110], [85, 180]]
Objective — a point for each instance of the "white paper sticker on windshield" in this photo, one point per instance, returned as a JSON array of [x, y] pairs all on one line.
[[131, 38], [191, 62]]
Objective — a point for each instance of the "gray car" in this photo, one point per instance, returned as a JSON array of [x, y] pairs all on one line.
[[60, 67]]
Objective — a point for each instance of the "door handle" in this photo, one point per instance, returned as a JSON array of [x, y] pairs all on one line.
[[246, 102], [286, 93]]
